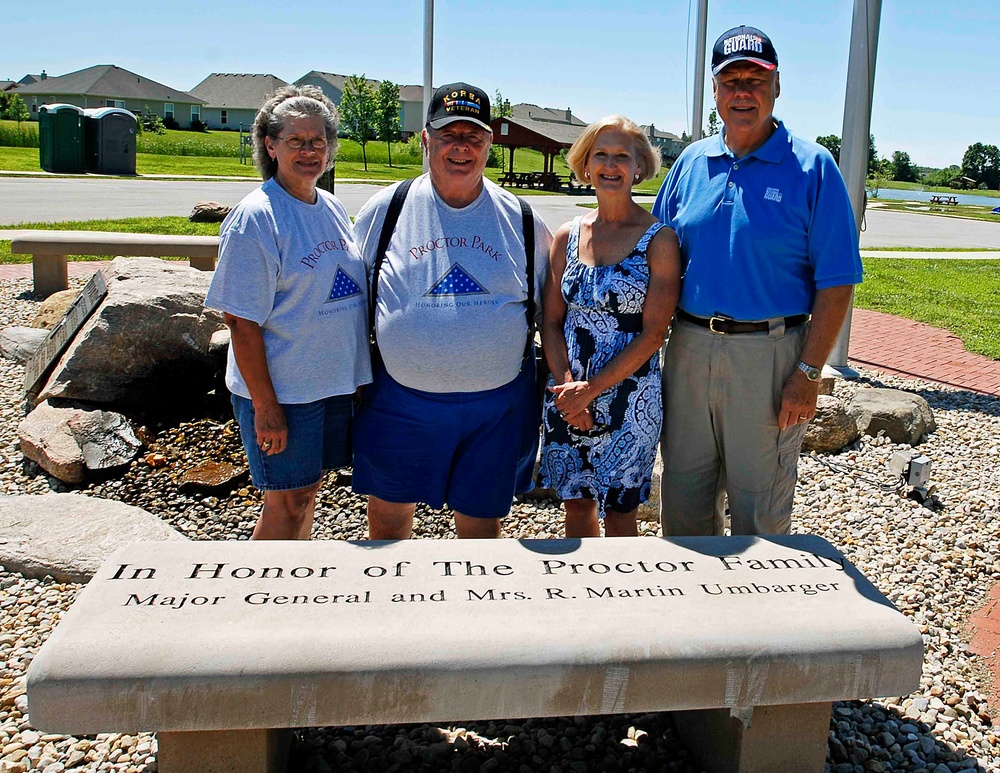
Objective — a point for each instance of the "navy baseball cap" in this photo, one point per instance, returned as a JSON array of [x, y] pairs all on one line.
[[743, 44], [459, 102]]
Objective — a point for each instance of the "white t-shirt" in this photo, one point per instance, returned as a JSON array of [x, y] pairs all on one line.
[[293, 268], [451, 303]]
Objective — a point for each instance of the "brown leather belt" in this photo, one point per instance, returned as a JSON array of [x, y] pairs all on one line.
[[725, 326]]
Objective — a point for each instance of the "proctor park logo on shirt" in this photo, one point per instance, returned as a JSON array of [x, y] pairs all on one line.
[[343, 287], [455, 242], [456, 281], [325, 246]]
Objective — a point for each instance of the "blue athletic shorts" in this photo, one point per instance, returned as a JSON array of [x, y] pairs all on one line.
[[459, 448], [319, 438]]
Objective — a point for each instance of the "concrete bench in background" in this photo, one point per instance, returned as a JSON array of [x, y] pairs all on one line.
[[50, 248], [216, 646]]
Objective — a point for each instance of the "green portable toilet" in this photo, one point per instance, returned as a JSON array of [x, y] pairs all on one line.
[[60, 138], [109, 140]]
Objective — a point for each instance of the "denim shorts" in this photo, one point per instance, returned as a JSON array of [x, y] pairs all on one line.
[[459, 448], [319, 438]]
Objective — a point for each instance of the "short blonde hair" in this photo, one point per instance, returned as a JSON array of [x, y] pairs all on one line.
[[647, 156]]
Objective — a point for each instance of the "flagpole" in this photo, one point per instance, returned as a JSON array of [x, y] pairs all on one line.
[[701, 46], [428, 61]]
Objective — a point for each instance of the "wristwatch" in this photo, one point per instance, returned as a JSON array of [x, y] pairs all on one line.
[[812, 373]]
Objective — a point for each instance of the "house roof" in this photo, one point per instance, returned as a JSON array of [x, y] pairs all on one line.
[[658, 133], [538, 133], [108, 80], [237, 91], [407, 93], [526, 110], [29, 78], [4, 85]]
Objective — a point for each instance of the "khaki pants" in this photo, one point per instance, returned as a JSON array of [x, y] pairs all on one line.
[[720, 433]]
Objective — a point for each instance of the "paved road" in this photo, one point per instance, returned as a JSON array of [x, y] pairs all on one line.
[[56, 200]]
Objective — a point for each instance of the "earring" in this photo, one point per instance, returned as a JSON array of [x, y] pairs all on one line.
[[586, 173]]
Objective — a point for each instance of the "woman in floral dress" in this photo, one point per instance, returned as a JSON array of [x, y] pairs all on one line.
[[614, 277]]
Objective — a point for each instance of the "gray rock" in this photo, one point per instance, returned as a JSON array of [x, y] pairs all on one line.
[[67, 440], [68, 536], [54, 308], [831, 429], [209, 212], [146, 344], [19, 343], [903, 416]]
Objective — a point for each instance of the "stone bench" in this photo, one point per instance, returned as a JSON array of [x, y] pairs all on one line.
[[216, 646], [50, 248]]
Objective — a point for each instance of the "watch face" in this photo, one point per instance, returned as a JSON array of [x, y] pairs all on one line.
[[813, 374]]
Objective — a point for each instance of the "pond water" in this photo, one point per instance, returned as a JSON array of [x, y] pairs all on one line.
[[963, 198]]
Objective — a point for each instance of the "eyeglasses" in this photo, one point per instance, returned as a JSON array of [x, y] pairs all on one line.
[[297, 143]]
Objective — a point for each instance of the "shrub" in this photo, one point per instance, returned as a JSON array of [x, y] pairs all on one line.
[[171, 123], [152, 123], [198, 126], [21, 136]]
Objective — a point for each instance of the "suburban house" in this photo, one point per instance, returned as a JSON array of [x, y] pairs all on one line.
[[527, 111], [411, 98], [670, 145], [105, 85], [232, 99]]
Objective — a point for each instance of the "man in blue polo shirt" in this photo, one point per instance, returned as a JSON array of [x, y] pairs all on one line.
[[770, 254]]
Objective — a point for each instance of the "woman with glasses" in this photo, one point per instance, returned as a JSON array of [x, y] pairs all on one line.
[[291, 285], [614, 277]]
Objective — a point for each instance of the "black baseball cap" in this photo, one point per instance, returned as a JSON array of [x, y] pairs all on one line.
[[743, 44], [459, 102]]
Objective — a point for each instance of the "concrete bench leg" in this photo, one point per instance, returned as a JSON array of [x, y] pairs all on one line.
[[223, 751], [202, 264], [779, 738], [51, 274]]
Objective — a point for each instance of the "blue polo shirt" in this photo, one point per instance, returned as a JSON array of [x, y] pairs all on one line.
[[759, 234]]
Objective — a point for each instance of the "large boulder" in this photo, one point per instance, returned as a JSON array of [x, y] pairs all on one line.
[[903, 416], [209, 212], [832, 427], [147, 343], [68, 440], [19, 343], [68, 536]]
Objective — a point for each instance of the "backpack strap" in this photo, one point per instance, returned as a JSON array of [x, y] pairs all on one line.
[[388, 226], [528, 226]]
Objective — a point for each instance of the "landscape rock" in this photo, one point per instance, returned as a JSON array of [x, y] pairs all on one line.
[[19, 343], [67, 440], [212, 477], [147, 344], [832, 427], [68, 536], [54, 308], [209, 212], [903, 416]]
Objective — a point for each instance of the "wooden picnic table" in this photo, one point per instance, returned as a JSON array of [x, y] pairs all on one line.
[[944, 199]]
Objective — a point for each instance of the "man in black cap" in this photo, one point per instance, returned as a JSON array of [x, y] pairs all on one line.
[[451, 411], [769, 252]]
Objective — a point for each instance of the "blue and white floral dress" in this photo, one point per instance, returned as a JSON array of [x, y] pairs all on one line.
[[613, 463]]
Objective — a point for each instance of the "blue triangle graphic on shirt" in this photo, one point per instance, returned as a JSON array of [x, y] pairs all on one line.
[[457, 281], [343, 287]]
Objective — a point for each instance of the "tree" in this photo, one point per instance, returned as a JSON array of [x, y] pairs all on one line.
[[902, 168], [873, 161], [16, 109], [499, 109], [387, 114], [713, 123], [940, 178], [832, 143], [982, 163], [358, 111]]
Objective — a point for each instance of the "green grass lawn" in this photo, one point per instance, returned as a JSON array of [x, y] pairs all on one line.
[[961, 211], [962, 296]]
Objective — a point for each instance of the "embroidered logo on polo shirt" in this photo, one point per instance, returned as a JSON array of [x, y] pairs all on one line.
[[772, 194], [343, 287], [456, 281]]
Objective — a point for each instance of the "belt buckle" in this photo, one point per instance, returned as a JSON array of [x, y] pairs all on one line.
[[711, 325]]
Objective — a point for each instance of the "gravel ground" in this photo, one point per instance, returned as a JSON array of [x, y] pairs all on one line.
[[937, 563]]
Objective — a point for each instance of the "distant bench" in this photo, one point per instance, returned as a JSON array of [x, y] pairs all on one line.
[[217, 646], [944, 199], [50, 248]]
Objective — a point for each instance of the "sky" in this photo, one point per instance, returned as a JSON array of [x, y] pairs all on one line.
[[936, 82]]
